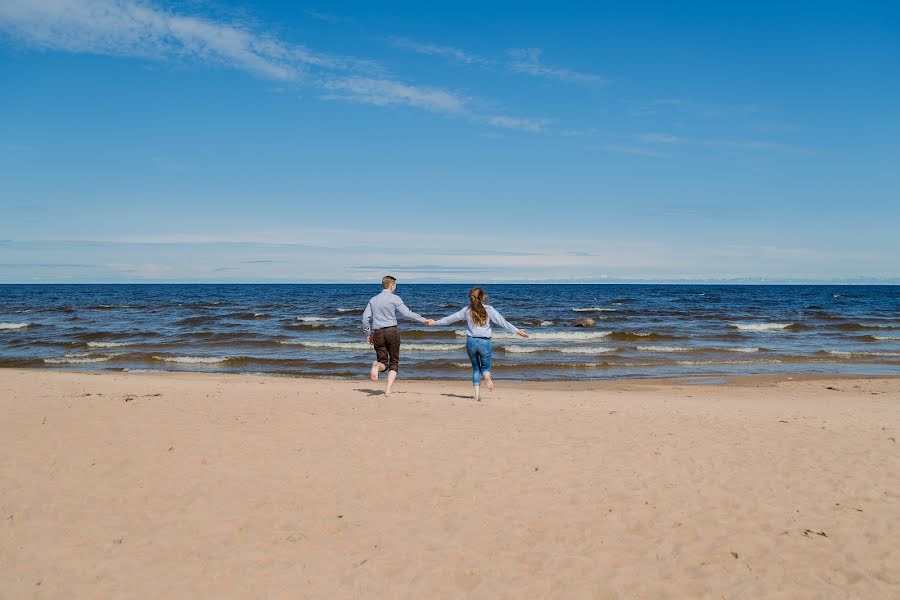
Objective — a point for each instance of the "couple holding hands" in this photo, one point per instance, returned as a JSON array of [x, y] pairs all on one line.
[[380, 324]]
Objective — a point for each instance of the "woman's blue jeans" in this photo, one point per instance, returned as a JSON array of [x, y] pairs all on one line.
[[479, 350]]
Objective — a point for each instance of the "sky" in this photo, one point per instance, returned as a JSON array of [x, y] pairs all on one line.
[[201, 141]]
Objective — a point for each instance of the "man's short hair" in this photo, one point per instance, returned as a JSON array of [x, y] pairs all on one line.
[[387, 281]]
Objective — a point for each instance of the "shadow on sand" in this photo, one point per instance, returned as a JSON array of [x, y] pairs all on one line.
[[370, 392]]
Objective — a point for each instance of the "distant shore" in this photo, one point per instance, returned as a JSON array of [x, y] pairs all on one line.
[[185, 485]]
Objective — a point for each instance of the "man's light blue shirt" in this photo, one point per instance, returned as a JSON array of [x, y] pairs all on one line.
[[382, 312]]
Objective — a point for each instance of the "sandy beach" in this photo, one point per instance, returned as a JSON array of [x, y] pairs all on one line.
[[143, 485]]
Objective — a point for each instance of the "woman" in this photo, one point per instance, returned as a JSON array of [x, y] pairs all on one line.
[[479, 316]]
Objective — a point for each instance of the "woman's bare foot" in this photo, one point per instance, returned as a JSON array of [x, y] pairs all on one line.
[[490, 382], [373, 373]]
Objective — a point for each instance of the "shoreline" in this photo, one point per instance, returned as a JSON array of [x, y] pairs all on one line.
[[718, 380], [185, 485]]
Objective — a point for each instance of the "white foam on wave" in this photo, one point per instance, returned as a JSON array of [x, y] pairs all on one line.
[[550, 335], [317, 319], [78, 359], [14, 325], [346, 310], [727, 362], [193, 360], [761, 326], [562, 350], [743, 349], [546, 323], [106, 344], [366, 346], [663, 349], [594, 309], [863, 354], [886, 338]]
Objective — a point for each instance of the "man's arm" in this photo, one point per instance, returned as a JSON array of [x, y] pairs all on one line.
[[367, 320], [401, 308]]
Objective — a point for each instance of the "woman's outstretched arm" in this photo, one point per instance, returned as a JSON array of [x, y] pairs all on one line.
[[457, 316], [499, 320]]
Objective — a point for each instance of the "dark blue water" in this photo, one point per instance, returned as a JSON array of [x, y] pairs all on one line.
[[315, 330]]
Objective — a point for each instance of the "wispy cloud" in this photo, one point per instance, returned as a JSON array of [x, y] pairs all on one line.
[[658, 138], [739, 144], [448, 52], [326, 17], [633, 150], [528, 61], [680, 105], [519, 123], [519, 60], [133, 28], [129, 28], [384, 92]]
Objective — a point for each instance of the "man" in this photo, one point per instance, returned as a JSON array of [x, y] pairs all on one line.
[[380, 324]]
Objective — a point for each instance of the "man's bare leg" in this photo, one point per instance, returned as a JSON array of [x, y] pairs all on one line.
[[392, 377], [377, 368]]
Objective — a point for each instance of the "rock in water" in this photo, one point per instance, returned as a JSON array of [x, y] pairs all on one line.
[[584, 322]]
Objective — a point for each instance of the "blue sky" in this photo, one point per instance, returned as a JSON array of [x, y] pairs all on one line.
[[466, 141]]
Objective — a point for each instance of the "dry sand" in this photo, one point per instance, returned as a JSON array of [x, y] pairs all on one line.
[[209, 486]]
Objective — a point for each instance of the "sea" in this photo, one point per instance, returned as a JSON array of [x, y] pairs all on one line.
[[312, 330]]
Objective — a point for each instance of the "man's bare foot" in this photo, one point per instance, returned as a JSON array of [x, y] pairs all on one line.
[[373, 373], [490, 382], [388, 393]]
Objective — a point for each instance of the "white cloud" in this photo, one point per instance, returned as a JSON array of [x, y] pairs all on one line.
[[634, 150], [658, 138], [384, 92], [130, 28], [519, 123], [139, 29], [528, 61], [449, 52]]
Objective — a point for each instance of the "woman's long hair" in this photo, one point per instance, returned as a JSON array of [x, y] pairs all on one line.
[[477, 298]]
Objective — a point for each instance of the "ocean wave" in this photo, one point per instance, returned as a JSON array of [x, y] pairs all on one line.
[[558, 349], [366, 346], [728, 362], [309, 326], [886, 338], [200, 320], [743, 349], [105, 344], [350, 311], [109, 306], [317, 319], [247, 316], [194, 360], [663, 349], [863, 354], [551, 335], [78, 359], [761, 326], [106, 335], [861, 327], [546, 323], [593, 309], [640, 336], [14, 325]]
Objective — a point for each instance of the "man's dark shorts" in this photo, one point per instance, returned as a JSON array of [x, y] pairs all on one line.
[[387, 347]]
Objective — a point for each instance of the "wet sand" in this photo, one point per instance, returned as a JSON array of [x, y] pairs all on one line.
[[196, 485]]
